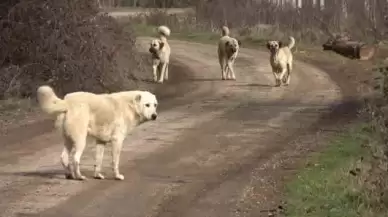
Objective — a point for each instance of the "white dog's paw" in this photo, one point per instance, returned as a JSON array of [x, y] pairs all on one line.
[[119, 177], [81, 177], [160, 81], [99, 176]]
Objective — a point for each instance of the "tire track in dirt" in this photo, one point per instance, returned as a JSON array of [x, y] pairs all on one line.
[[168, 172]]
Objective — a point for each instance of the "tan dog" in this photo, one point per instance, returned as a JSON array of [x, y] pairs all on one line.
[[160, 50], [105, 118], [281, 60], [228, 48]]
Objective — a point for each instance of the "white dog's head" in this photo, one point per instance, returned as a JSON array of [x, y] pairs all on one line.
[[145, 105], [233, 45], [274, 46], [155, 46]]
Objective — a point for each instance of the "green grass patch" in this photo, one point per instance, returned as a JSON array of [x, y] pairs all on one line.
[[325, 188]]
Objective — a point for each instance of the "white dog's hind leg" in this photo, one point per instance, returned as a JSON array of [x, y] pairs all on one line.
[[65, 158], [162, 72], [99, 157], [79, 147], [231, 74], [116, 150], [224, 68]]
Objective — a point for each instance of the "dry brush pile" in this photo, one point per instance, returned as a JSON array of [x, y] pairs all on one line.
[[63, 43]]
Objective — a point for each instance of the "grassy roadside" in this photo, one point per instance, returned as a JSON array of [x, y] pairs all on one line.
[[326, 187]]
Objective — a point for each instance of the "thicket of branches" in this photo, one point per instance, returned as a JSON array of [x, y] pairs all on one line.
[[66, 44], [362, 19]]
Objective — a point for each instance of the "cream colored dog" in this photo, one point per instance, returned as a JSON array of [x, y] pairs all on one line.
[[281, 60], [105, 118], [228, 48], [160, 50]]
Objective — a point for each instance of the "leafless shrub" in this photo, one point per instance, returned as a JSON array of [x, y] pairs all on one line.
[[66, 44]]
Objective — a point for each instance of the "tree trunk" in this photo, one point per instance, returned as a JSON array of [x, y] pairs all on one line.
[[351, 49]]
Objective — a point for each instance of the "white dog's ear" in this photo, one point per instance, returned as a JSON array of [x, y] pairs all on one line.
[[238, 42], [138, 98], [268, 46], [161, 45], [280, 44], [227, 43]]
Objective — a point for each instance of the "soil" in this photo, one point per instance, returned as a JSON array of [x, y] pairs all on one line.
[[219, 148]]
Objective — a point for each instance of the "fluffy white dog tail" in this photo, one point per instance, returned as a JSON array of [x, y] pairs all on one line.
[[292, 42], [164, 31], [225, 31], [49, 102]]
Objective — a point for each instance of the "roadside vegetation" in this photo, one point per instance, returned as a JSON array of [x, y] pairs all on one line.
[[66, 44]]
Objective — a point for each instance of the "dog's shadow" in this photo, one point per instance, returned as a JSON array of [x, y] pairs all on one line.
[[47, 174], [253, 85], [205, 79]]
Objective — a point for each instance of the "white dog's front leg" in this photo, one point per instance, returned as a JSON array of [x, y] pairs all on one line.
[[99, 157], [166, 75], [116, 150], [282, 74], [162, 73], [276, 76], [289, 69], [154, 72]]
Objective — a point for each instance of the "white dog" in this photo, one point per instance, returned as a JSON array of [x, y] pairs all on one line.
[[105, 118], [160, 50], [228, 48], [281, 60]]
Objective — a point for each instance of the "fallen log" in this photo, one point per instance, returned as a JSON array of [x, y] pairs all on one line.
[[350, 49]]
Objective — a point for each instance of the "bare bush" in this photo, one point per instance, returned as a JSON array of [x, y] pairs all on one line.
[[66, 44]]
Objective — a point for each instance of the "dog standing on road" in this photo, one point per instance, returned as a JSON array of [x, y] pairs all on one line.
[[106, 118], [160, 50], [228, 48], [281, 60]]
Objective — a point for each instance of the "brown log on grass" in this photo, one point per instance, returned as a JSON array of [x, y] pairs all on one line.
[[350, 49]]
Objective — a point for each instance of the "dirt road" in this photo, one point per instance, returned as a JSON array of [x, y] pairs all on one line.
[[219, 148]]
